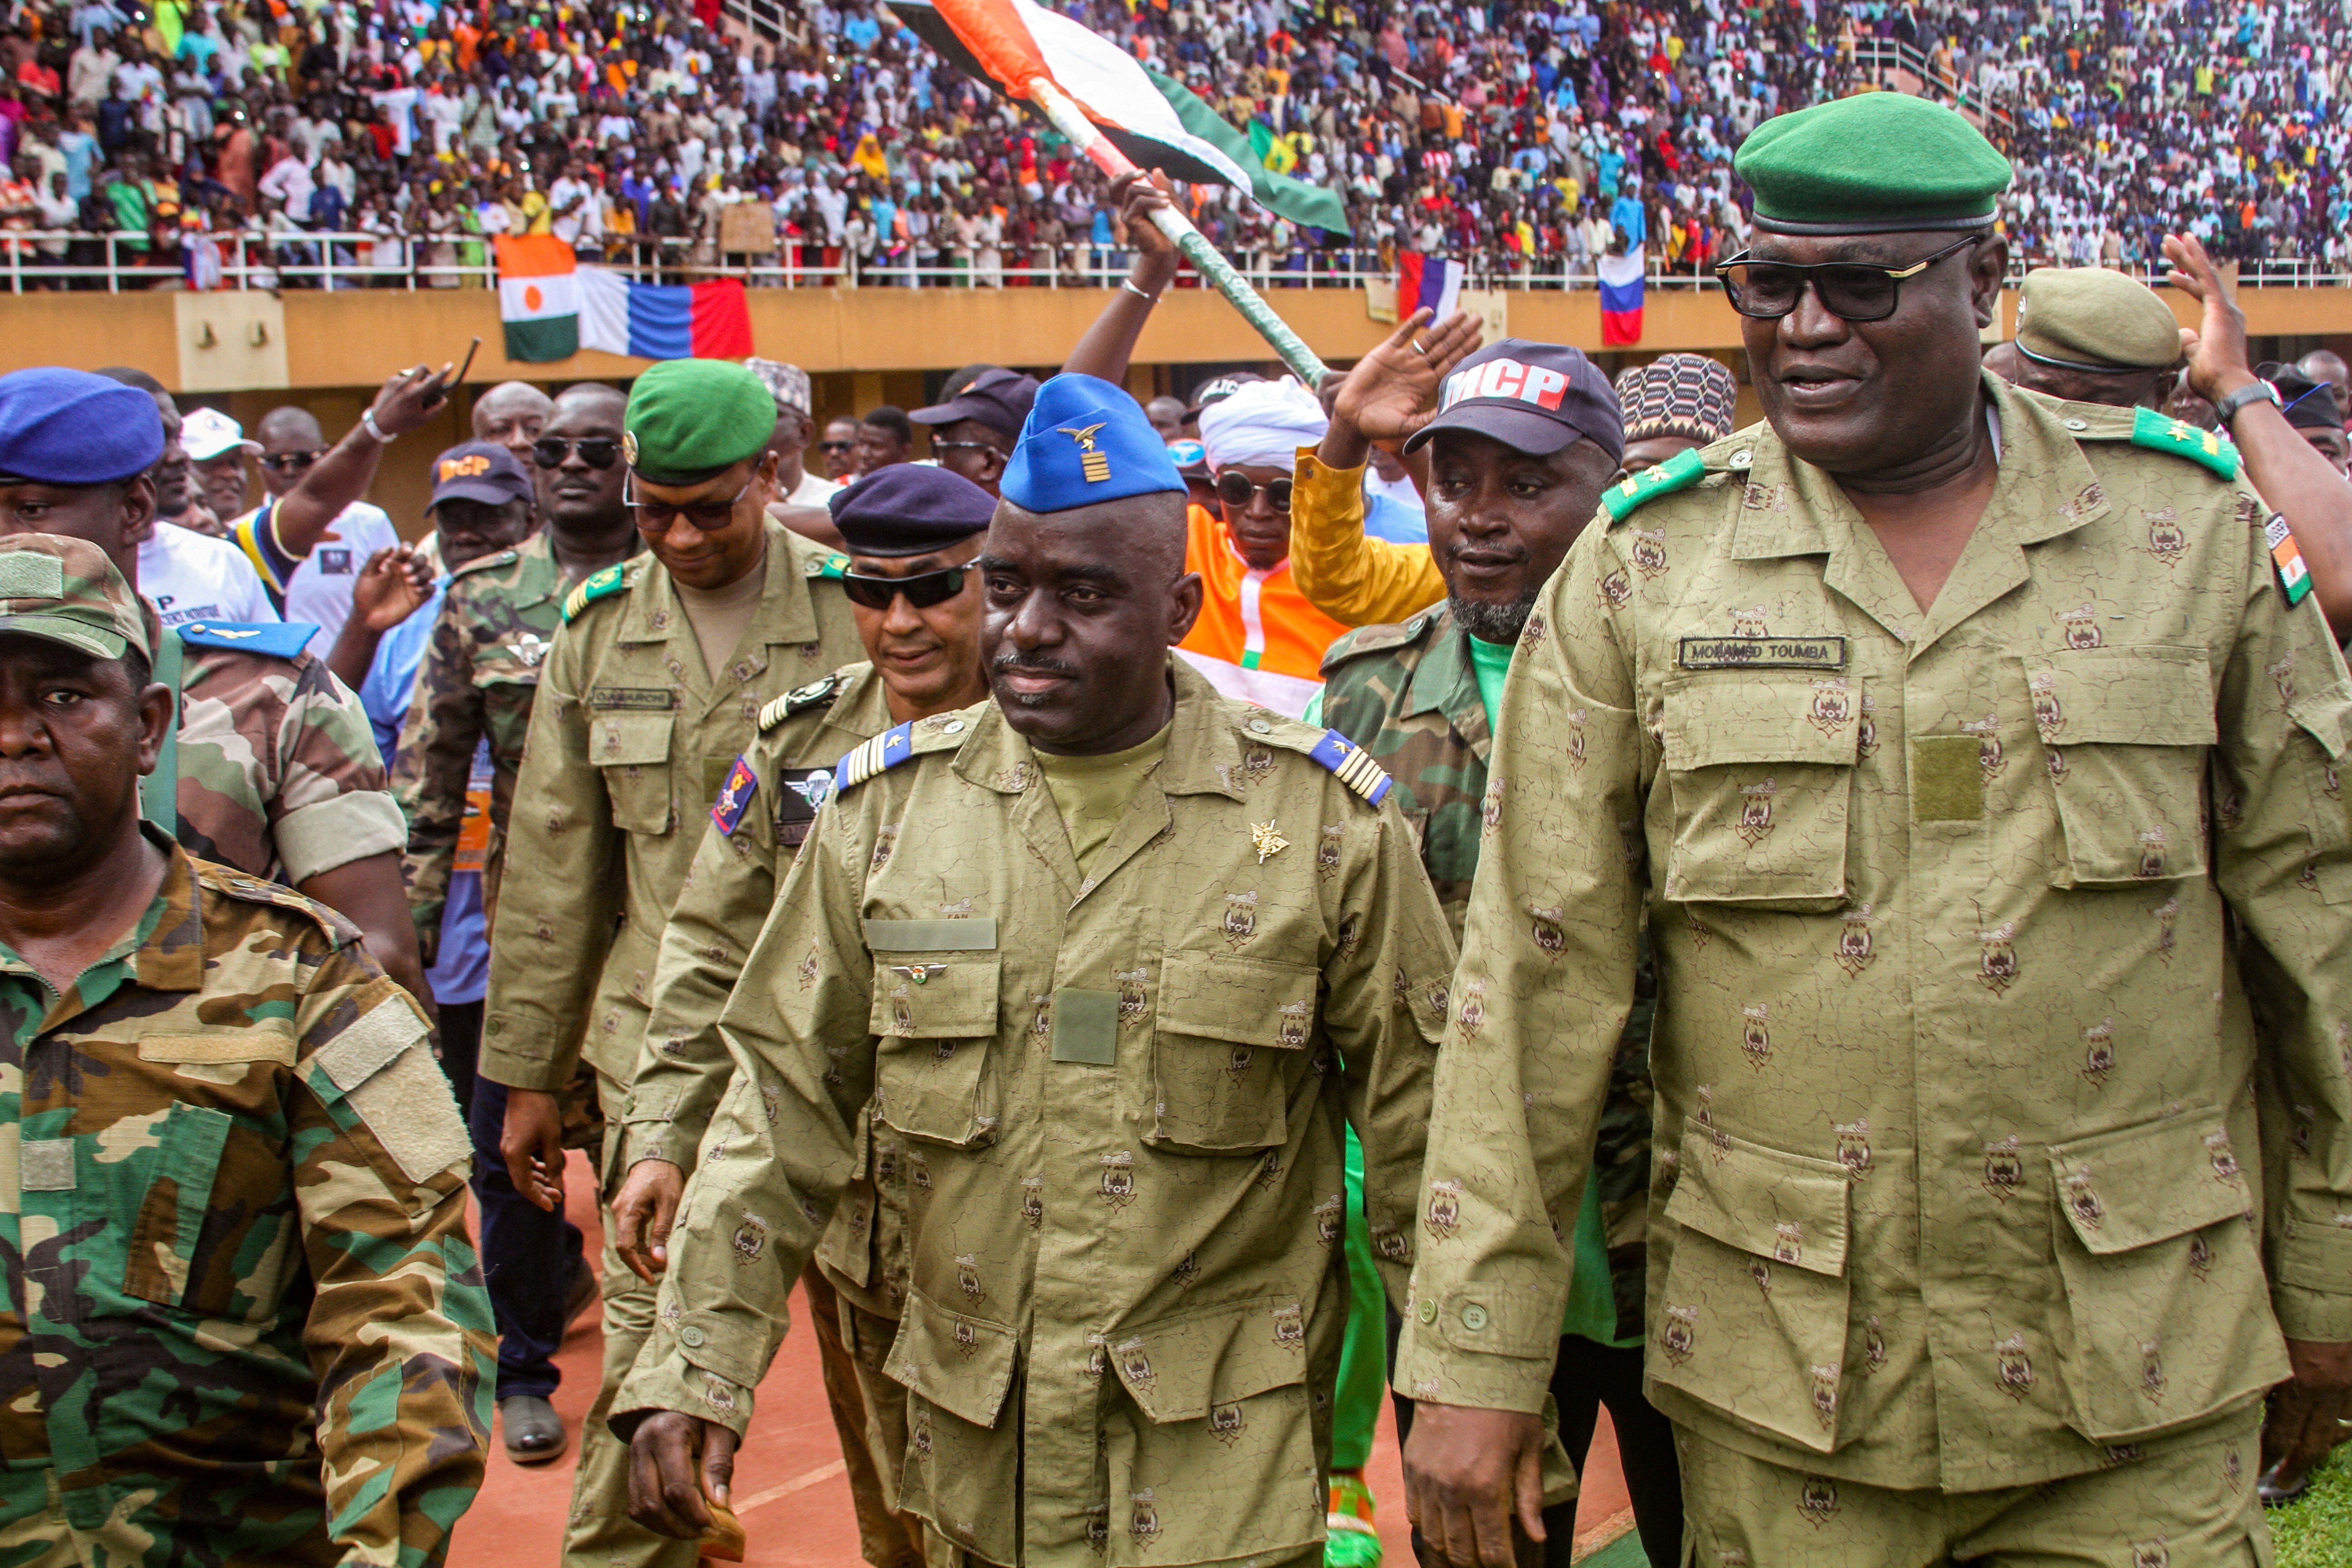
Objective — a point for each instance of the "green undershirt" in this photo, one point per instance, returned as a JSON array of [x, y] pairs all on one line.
[[1093, 793]]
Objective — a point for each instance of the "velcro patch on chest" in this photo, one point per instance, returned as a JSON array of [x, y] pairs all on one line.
[[1762, 653]]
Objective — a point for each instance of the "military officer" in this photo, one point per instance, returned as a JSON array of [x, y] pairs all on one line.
[[1095, 952], [1946, 730], [912, 532], [242, 1321], [653, 687], [273, 768]]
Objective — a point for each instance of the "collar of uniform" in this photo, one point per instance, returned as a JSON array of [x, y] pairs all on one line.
[[538, 573], [1204, 757], [1444, 679], [786, 613]]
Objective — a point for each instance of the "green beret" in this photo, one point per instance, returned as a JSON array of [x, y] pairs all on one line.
[[2089, 318], [1877, 162], [690, 418]]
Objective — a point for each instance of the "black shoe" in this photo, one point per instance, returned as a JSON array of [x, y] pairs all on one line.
[[583, 1295], [534, 1432]]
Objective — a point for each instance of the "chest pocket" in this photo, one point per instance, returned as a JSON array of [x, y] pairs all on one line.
[[2126, 731], [633, 750], [1228, 1043], [935, 1016], [1759, 768]]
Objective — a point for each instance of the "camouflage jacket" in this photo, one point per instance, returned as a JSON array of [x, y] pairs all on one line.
[[240, 1319], [479, 674], [1408, 695], [278, 773]]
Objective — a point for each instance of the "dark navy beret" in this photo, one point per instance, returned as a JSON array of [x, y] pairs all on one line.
[[1087, 441], [909, 508], [61, 427]]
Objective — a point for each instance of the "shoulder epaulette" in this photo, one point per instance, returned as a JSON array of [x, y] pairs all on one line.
[[2160, 434], [815, 694], [1683, 469], [234, 883], [1351, 765], [483, 564], [1373, 639], [835, 566], [597, 585], [940, 732], [277, 639]]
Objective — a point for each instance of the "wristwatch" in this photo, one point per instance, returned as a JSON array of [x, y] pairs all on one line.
[[2256, 391]]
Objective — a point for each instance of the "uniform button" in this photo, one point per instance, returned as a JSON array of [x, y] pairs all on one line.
[[953, 727], [1742, 459], [2078, 425], [691, 1337], [1474, 1317], [1260, 727], [1428, 1310]]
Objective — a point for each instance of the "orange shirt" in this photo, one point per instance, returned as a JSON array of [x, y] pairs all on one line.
[[1259, 639]]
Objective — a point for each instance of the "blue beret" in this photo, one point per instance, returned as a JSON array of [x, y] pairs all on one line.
[[1087, 441], [909, 508], [61, 427]]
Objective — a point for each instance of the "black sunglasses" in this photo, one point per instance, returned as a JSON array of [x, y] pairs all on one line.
[[923, 590], [1850, 290], [1234, 490], [292, 462], [835, 445], [596, 451]]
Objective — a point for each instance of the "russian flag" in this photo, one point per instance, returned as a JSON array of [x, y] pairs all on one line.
[[663, 320], [1620, 298], [1426, 281]]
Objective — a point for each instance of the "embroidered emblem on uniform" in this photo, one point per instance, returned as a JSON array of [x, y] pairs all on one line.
[[1825, 1394], [1832, 707], [1033, 1200], [2151, 1553], [1098, 1526], [2151, 853], [1755, 812], [1679, 1335], [2200, 1256], [968, 1276], [1751, 622], [967, 1339], [2223, 1158], [1143, 1517], [1616, 590], [751, 1238], [1133, 1002], [1866, 738], [1241, 917], [1989, 755], [1331, 1218], [1490, 807], [1472, 1016], [1445, 1215], [1269, 1170], [1289, 1326], [1041, 1017], [1392, 1244], [1998, 966], [2014, 1367], [1119, 1179], [2151, 1370], [734, 797], [2049, 718], [2080, 625], [2282, 675], [1855, 946], [1296, 1018], [1874, 1345], [1761, 1272], [1817, 1499], [1093, 461], [1543, 927], [2004, 1168], [719, 1397], [1225, 1424], [1764, 498], [1531, 636], [1754, 1037], [1257, 763], [1649, 551], [2167, 916], [1854, 1147], [919, 1170], [2081, 1198], [2167, 539], [2099, 1052], [921, 1435], [1789, 1241], [1237, 1065], [1267, 841]]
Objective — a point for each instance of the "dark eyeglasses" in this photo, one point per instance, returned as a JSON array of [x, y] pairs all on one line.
[[837, 446], [1850, 290], [596, 451], [1234, 490], [923, 590], [292, 462], [964, 446], [655, 516]]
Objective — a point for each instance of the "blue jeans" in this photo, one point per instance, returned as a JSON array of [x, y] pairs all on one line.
[[529, 1259]]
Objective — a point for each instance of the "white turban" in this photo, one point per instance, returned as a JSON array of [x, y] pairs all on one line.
[[1262, 425]]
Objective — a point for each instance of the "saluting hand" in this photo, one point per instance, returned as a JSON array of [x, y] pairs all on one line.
[[1392, 391]]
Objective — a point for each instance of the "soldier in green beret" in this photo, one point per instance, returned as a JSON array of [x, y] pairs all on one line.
[[654, 685], [1950, 732]]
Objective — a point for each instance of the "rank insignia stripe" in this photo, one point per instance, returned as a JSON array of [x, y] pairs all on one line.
[[1760, 653], [2160, 433], [595, 586], [1686, 467], [1352, 766], [735, 797], [886, 750]]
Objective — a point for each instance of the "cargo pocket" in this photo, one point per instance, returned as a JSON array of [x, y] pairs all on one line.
[[960, 1472], [2126, 731], [1223, 1463], [935, 1020], [2168, 1312], [633, 750], [1752, 1320], [178, 1194], [1224, 1028], [1760, 766]]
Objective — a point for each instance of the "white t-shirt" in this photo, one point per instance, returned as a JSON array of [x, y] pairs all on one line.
[[190, 576], [812, 489], [319, 591]]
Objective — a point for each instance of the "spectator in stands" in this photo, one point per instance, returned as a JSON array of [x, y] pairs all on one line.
[[885, 435]]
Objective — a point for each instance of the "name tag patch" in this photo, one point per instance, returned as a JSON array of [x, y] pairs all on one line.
[[637, 696], [1762, 653]]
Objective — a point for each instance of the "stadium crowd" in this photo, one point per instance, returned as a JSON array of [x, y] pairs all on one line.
[[1526, 138]]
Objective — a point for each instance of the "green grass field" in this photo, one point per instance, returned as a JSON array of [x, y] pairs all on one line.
[[2316, 1530]]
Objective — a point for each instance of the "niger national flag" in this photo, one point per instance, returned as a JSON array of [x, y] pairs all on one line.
[[539, 297]]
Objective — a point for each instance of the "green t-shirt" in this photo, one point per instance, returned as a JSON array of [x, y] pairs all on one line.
[[1093, 793], [1591, 1302]]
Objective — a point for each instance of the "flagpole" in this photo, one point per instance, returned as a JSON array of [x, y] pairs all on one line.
[[1071, 121]]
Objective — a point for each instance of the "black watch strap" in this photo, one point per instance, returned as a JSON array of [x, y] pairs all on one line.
[[2256, 391]]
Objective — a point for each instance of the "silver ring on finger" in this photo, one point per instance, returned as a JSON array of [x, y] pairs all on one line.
[[1421, 348]]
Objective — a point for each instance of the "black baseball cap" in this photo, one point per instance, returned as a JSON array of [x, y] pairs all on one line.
[[2308, 403], [1217, 391], [479, 470], [1533, 397], [998, 398]]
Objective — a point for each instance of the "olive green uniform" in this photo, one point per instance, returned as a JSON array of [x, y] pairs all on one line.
[[683, 1069], [1958, 1178], [1120, 1095], [629, 743]]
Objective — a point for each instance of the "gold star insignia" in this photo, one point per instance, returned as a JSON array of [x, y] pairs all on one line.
[[1267, 841]]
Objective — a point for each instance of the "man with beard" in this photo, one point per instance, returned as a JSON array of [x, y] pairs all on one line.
[[1948, 734], [1521, 439], [468, 718], [1114, 960]]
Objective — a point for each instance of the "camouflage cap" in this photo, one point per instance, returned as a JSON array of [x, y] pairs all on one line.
[[67, 591]]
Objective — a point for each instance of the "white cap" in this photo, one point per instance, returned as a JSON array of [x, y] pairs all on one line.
[[207, 433]]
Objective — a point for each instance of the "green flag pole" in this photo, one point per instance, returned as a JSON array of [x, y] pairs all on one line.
[[1072, 122]]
